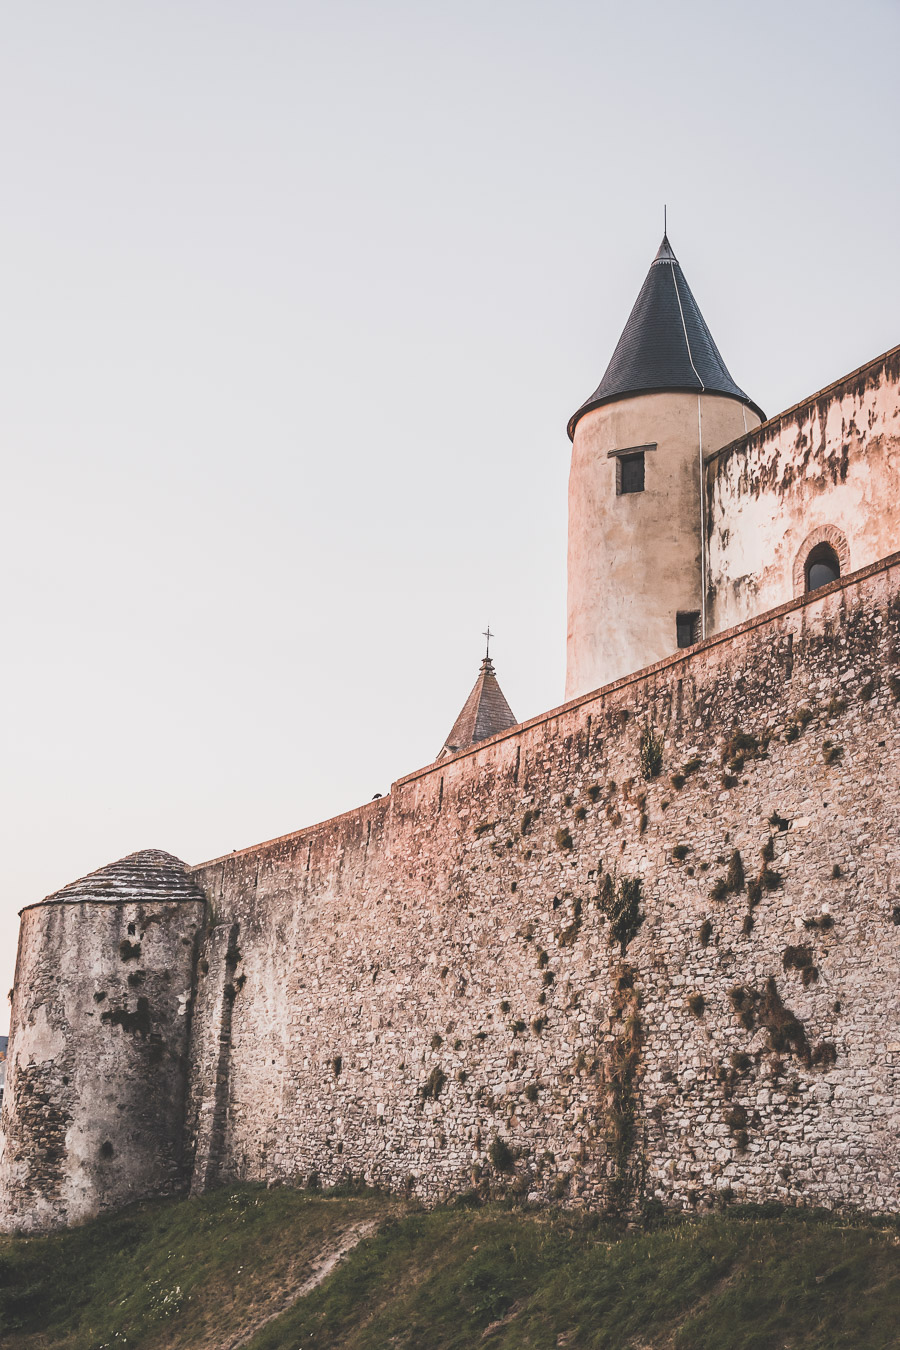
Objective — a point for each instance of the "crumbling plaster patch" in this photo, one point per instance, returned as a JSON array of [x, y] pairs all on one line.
[[832, 463]]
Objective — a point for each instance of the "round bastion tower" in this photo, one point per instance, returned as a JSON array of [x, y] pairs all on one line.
[[93, 1115], [636, 578]]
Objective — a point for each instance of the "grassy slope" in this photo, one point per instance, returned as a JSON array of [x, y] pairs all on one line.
[[441, 1279], [189, 1273]]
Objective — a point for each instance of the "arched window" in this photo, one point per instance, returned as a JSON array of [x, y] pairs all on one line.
[[823, 557], [822, 567]]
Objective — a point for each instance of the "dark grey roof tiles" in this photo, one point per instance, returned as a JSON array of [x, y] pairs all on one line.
[[148, 875], [485, 713], [665, 344]]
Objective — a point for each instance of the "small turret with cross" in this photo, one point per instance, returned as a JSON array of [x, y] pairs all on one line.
[[485, 712]]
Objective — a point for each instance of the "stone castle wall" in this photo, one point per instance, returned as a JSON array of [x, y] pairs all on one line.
[[94, 1106], [533, 966], [827, 470]]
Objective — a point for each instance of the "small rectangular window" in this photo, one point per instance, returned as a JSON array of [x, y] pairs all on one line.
[[630, 473], [688, 628]]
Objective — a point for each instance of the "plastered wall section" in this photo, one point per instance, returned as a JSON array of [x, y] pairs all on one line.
[[448, 989], [634, 558], [827, 470], [93, 1113]]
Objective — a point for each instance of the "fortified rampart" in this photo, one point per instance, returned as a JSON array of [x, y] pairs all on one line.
[[824, 471], [645, 945]]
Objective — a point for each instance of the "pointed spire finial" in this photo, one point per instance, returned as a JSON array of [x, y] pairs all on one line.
[[485, 712]]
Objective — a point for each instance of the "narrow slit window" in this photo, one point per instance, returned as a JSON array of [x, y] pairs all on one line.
[[630, 473], [687, 628]]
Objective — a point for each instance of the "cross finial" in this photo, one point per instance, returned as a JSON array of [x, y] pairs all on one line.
[[488, 634]]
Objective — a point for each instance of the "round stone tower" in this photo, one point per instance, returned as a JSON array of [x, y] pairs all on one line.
[[636, 589], [93, 1114]]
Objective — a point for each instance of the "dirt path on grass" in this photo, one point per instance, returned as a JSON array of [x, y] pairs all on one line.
[[319, 1270]]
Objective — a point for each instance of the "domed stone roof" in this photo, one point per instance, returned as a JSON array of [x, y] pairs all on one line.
[[665, 345], [150, 874]]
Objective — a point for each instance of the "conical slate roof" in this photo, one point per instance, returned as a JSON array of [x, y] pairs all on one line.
[[485, 713], [148, 875], [665, 344]]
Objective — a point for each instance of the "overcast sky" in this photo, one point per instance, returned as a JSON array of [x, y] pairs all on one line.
[[297, 299]]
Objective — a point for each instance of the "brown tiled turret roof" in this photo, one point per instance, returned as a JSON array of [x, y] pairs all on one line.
[[147, 875], [485, 713]]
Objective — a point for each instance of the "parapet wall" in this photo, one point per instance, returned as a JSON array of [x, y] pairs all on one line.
[[827, 470], [532, 965]]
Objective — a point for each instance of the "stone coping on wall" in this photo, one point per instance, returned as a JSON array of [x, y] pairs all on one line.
[[121, 900], [765, 428], [680, 658]]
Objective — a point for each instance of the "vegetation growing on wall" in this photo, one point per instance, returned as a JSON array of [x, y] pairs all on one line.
[[739, 747], [734, 878], [566, 936], [501, 1154], [622, 1072], [786, 1033], [620, 901], [651, 753], [433, 1084]]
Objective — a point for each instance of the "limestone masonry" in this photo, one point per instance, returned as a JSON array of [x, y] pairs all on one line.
[[644, 947]]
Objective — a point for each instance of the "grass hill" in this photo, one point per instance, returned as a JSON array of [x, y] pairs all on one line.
[[230, 1269]]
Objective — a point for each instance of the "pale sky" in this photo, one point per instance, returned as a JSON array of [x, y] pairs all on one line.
[[297, 299]]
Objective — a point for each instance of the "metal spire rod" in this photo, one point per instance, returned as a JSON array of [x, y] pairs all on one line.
[[488, 634]]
